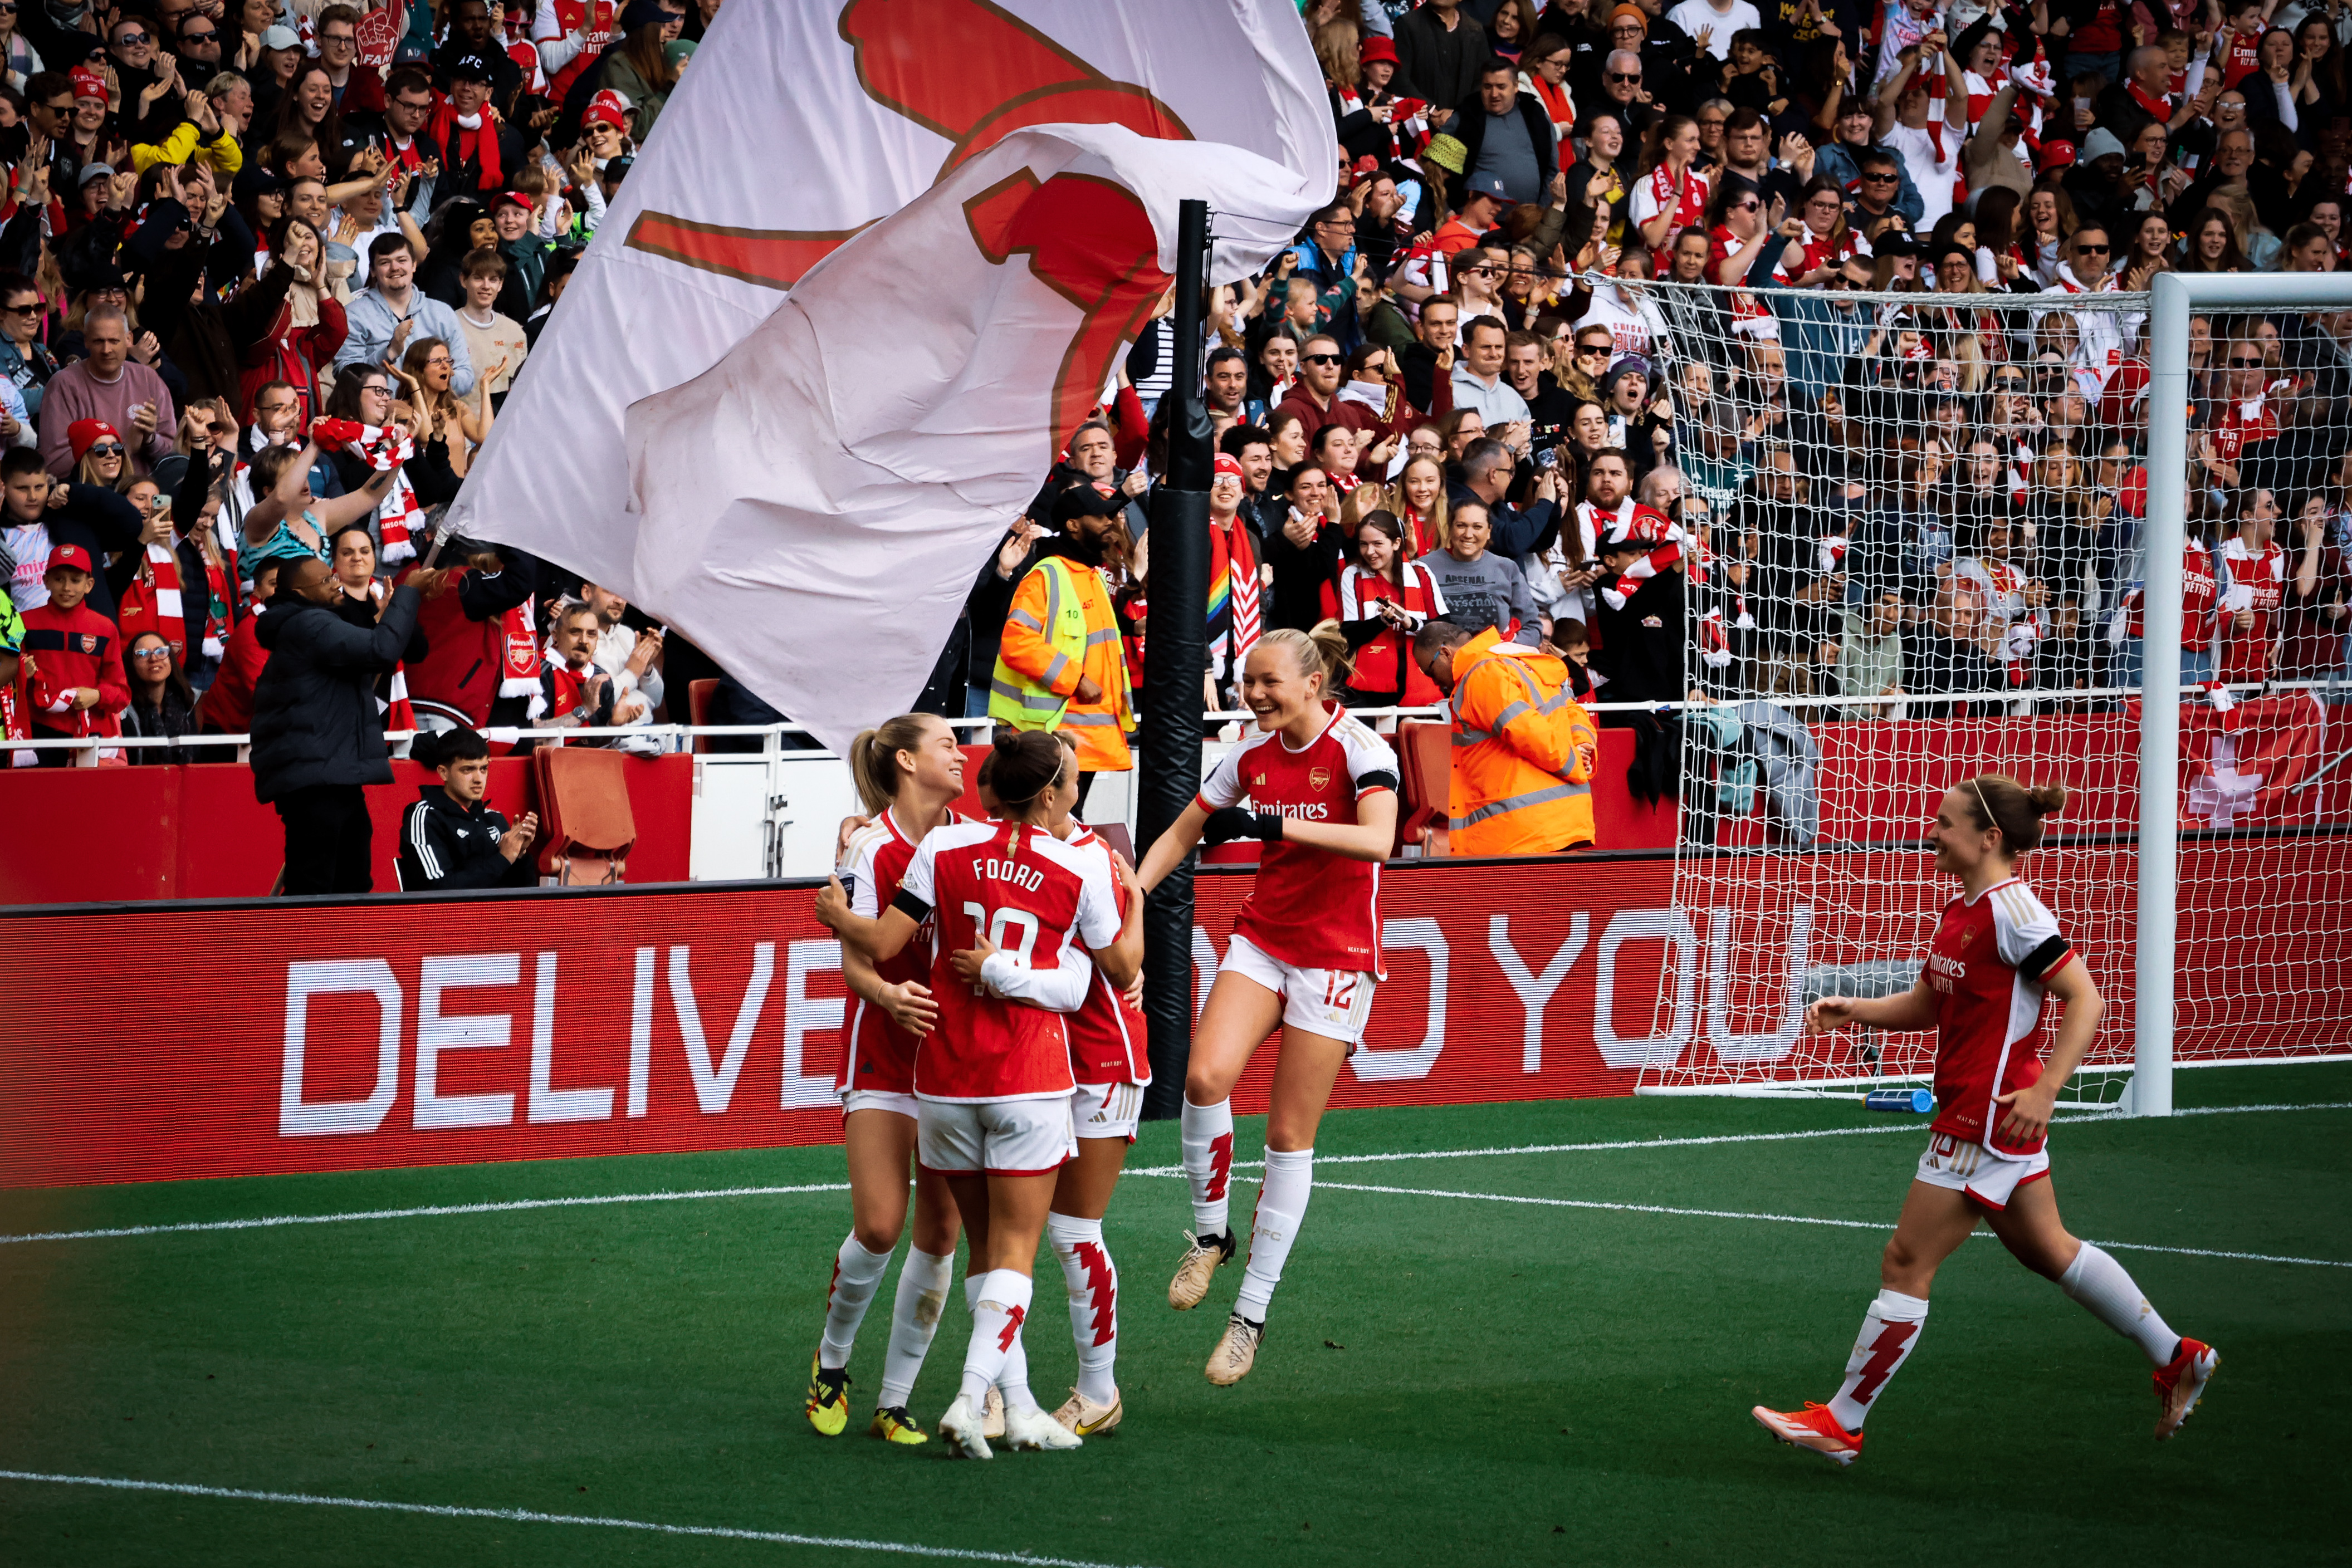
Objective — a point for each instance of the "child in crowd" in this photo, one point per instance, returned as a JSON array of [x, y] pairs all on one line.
[[78, 687]]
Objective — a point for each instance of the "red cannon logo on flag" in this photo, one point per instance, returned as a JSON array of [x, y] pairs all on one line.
[[972, 72]]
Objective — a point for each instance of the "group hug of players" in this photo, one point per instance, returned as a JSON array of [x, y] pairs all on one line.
[[997, 1049]]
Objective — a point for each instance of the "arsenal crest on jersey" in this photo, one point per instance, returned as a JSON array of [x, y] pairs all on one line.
[[1318, 779], [87, 641]]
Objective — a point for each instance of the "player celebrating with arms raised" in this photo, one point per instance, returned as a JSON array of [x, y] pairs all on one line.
[[1305, 954], [1997, 951], [993, 1080]]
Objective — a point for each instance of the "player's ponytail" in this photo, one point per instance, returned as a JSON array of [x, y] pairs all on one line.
[[1323, 652], [873, 758], [1998, 800]]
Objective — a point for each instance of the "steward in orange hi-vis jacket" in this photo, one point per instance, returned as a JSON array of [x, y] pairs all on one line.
[[1524, 749]]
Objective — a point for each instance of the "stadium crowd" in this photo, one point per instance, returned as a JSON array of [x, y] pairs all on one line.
[[268, 272]]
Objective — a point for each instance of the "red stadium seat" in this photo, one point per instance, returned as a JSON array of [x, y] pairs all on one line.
[[1425, 754], [697, 708], [586, 824]]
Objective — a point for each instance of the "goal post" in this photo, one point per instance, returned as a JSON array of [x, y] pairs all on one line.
[[2010, 474]]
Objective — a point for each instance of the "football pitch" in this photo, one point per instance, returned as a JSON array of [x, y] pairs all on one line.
[[1510, 1333]]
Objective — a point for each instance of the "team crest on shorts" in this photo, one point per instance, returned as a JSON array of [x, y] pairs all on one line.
[[1318, 779]]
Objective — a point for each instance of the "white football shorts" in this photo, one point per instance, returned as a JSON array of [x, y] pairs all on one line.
[[1333, 1003], [1107, 1109], [999, 1137], [1991, 1179], [906, 1106]]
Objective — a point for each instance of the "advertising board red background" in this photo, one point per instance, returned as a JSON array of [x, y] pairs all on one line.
[[308, 1036]]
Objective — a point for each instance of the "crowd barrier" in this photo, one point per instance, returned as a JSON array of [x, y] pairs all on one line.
[[180, 1040]]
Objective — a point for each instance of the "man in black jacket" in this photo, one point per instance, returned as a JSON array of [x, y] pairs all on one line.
[[1439, 53], [450, 837], [316, 735]]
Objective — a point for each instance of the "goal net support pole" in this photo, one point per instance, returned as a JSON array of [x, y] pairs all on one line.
[[2176, 298]]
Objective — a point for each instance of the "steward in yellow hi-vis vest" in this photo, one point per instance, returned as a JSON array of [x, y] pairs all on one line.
[[1059, 664]]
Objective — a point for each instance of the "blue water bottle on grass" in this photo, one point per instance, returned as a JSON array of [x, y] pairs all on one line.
[[1911, 1101]]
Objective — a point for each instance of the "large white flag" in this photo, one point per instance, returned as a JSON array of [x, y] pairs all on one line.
[[814, 505], [800, 123]]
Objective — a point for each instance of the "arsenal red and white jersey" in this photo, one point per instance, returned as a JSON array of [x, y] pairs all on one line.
[[2257, 583], [1987, 968], [1030, 894], [1311, 909], [1109, 1043], [880, 1054]]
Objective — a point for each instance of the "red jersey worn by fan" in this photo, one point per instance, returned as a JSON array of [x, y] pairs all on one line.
[[1992, 959], [1310, 909], [880, 1058], [2199, 593], [1032, 897], [2257, 584]]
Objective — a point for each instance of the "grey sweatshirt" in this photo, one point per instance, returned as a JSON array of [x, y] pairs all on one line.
[[1488, 591]]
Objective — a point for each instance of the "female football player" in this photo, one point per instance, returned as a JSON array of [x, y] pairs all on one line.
[[1304, 955], [992, 1078], [1996, 953], [909, 773]]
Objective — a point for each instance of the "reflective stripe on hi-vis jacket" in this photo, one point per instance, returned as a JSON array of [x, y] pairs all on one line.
[[1061, 630], [1523, 753]]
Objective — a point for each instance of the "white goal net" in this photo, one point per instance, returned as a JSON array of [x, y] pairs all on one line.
[[1917, 519]]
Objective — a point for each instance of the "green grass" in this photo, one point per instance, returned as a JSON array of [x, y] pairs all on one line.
[[1517, 1383]]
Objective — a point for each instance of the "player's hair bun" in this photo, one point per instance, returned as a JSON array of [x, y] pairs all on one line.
[[1027, 762], [1998, 800], [2048, 799]]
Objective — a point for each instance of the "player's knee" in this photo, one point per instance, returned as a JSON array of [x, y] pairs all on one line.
[[1900, 1263], [872, 1234]]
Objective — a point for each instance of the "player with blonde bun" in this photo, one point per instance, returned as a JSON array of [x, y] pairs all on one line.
[[1996, 952], [1305, 956]]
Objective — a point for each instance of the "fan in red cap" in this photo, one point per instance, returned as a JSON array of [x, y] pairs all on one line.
[[84, 434], [607, 108], [79, 688]]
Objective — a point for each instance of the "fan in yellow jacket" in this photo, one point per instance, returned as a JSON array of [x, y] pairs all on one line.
[[1059, 664], [1524, 748]]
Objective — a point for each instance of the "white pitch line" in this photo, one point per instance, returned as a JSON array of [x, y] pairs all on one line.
[[269, 1221], [1897, 1127], [1782, 1220], [265, 1222], [529, 1516]]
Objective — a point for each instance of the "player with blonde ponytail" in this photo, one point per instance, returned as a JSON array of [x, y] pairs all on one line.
[[908, 771], [1304, 955], [1996, 953]]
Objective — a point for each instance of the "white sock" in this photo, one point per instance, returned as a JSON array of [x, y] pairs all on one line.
[[855, 1273], [1890, 1332], [1281, 1206], [1093, 1281], [999, 1302], [2100, 1285], [923, 1282], [1207, 1133], [1013, 1381]]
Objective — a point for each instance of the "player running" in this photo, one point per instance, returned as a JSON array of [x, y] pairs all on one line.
[[909, 773], [1996, 952], [1305, 954], [1108, 1058], [992, 1080]]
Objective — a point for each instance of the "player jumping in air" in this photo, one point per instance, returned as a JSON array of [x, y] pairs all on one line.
[[1997, 951], [910, 772], [993, 1080], [1305, 954]]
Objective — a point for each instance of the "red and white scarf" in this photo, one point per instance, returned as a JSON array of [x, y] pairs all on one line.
[[397, 713], [399, 515], [151, 603], [1685, 197], [519, 660]]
